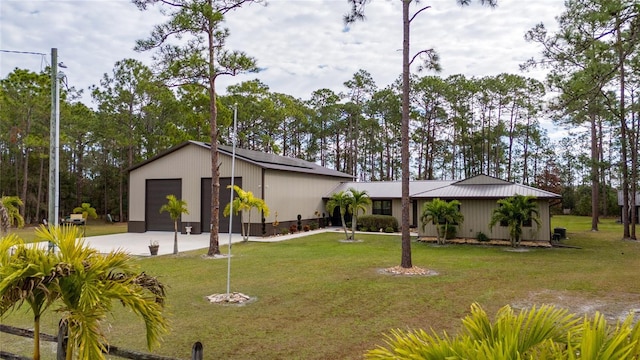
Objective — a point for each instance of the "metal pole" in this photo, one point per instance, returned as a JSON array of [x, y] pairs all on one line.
[[53, 135], [233, 166]]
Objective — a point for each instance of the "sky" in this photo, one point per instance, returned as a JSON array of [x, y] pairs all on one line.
[[301, 45]]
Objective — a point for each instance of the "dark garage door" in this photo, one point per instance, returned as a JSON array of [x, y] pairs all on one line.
[[205, 209], [156, 196]]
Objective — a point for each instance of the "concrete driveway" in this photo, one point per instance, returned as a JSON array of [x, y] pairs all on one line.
[[138, 243]]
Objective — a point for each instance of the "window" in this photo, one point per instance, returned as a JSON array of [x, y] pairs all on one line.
[[381, 207]]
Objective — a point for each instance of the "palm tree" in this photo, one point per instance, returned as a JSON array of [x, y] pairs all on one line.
[[358, 200], [440, 212], [339, 200], [27, 275], [10, 213], [175, 208], [514, 212], [85, 283], [89, 284], [86, 210], [245, 201]]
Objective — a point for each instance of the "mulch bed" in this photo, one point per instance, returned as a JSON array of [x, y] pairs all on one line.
[[537, 244]]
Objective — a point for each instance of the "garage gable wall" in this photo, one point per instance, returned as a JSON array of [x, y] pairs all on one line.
[[191, 164]]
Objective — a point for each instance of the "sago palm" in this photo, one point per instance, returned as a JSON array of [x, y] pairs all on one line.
[[175, 208]]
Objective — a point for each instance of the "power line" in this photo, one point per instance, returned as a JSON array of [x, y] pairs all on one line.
[[43, 56], [23, 52]]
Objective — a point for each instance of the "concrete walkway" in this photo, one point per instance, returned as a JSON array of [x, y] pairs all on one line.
[[137, 244]]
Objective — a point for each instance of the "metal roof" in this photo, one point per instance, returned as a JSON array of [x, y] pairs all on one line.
[[488, 191], [483, 186], [389, 189], [260, 159], [476, 187]]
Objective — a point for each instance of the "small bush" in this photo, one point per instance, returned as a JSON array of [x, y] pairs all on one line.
[[284, 231], [389, 229], [293, 228], [482, 237], [313, 225], [377, 222], [306, 227], [452, 230]]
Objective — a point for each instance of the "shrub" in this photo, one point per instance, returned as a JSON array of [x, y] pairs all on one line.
[[389, 229], [482, 237], [284, 231], [306, 227], [293, 228], [313, 225], [376, 222], [451, 231], [543, 332]]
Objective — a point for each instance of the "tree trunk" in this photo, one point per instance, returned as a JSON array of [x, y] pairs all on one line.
[[404, 135], [623, 135], [595, 179], [214, 246], [175, 237]]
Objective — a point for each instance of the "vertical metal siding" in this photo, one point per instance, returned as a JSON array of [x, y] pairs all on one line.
[[191, 164], [290, 194], [477, 215]]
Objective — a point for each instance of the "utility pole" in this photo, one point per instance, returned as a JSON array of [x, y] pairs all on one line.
[[54, 142]]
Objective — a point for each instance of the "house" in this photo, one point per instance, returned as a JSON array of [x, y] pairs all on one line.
[[386, 197], [631, 208], [478, 196], [290, 187], [294, 188]]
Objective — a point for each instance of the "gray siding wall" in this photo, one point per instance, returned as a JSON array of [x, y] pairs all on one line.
[[477, 214]]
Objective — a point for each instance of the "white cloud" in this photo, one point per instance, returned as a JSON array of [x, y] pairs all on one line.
[[301, 44]]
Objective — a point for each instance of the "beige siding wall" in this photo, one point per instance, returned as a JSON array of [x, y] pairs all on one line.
[[396, 211], [191, 163], [477, 214], [185, 163], [291, 194]]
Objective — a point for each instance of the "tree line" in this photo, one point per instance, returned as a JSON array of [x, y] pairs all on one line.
[[459, 125]]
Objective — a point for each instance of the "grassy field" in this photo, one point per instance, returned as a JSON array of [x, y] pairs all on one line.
[[94, 228], [318, 298]]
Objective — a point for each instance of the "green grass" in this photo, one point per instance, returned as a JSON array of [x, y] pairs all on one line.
[[94, 228], [318, 298]]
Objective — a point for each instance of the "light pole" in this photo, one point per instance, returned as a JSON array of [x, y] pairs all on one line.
[[54, 141], [233, 165]]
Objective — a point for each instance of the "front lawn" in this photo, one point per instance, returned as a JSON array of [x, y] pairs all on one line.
[[318, 298]]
